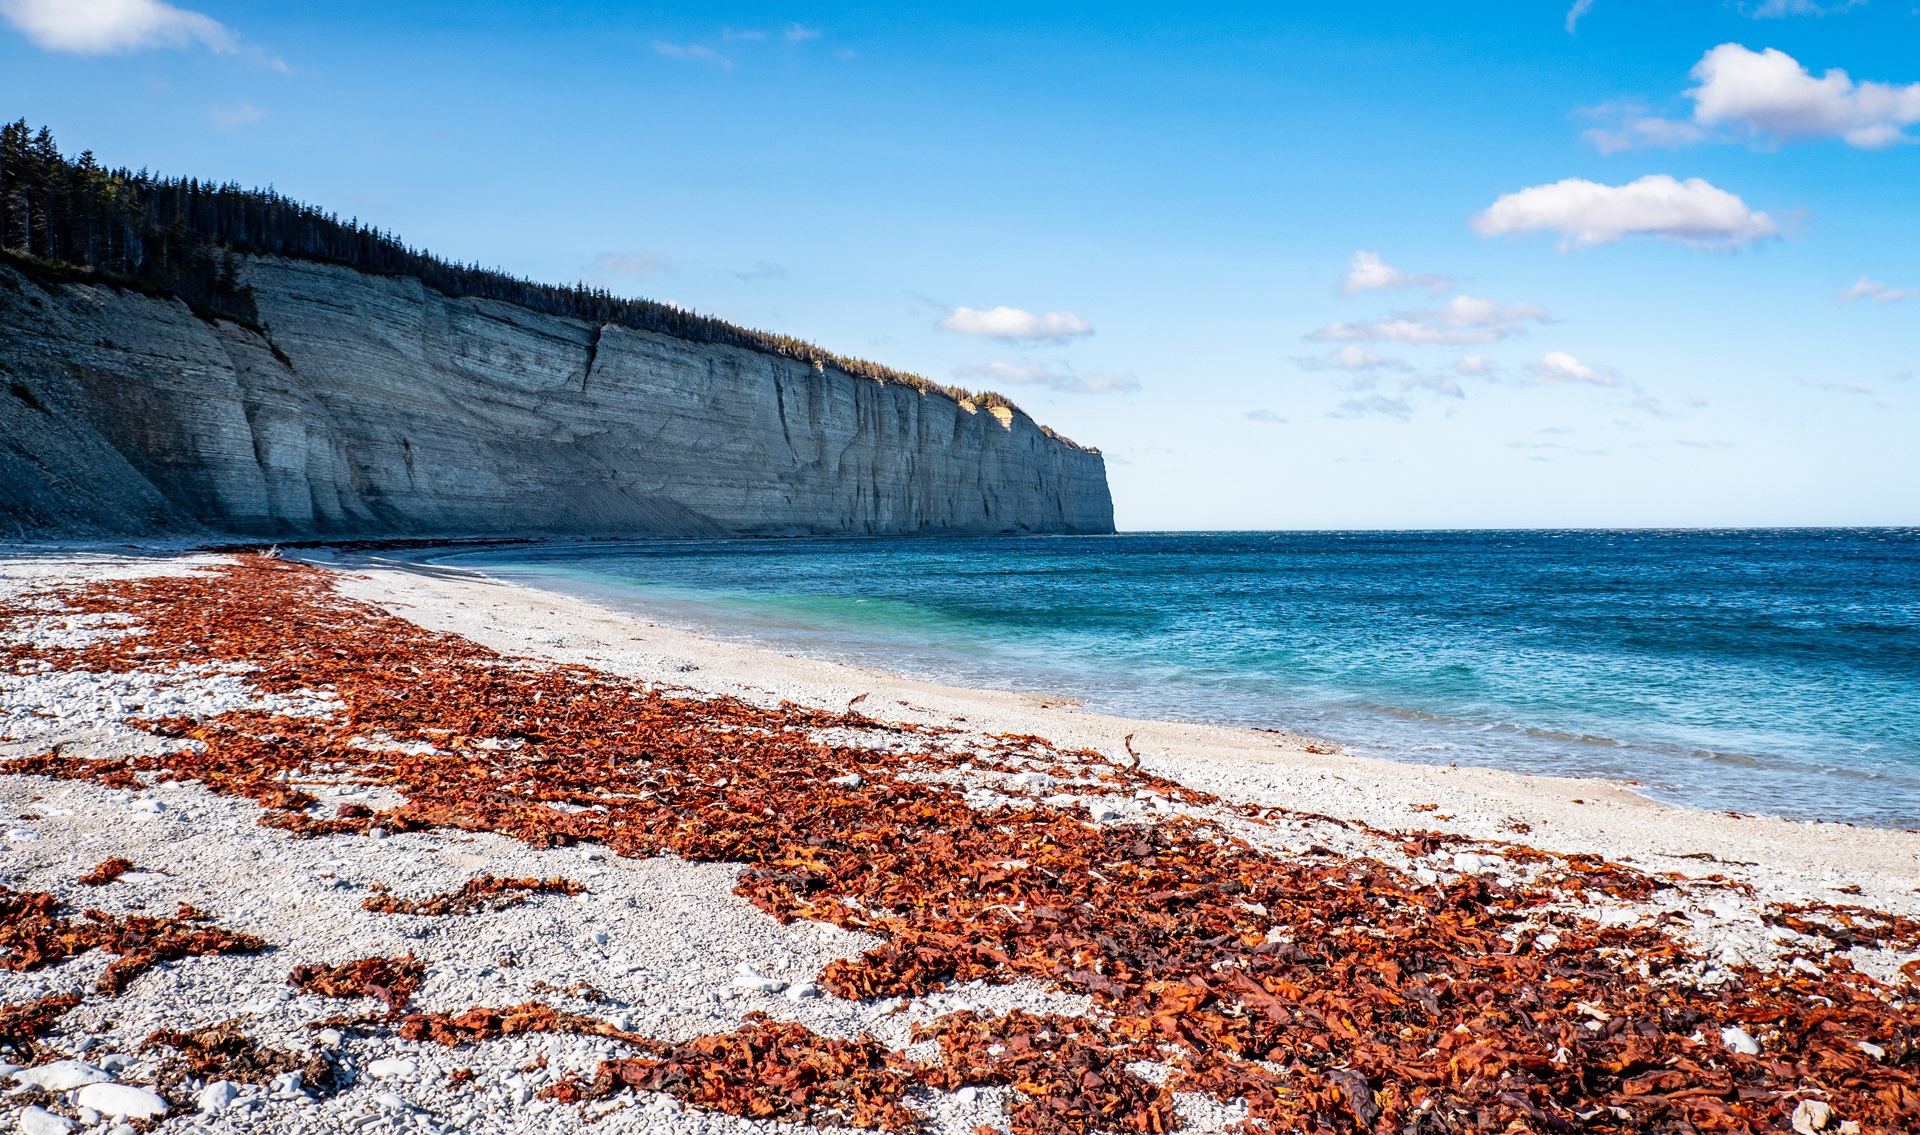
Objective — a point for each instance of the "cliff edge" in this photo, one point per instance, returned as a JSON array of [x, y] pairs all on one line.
[[363, 405]]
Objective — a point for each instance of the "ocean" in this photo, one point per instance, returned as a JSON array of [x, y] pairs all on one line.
[[1773, 672]]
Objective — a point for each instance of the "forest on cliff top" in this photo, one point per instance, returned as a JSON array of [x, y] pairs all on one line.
[[71, 218]]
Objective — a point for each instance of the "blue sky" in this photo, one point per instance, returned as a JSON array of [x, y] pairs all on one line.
[[1588, 296]]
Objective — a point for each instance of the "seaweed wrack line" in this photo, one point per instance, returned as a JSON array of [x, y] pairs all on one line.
[[1329, 992]]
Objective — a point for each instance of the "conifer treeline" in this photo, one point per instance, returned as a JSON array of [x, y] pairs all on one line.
[[179, 236]]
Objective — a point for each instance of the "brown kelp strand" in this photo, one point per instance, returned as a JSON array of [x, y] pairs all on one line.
[[1327, 990], [484, 893], [34, 934], [22, 1025], [393, 981], [107, 872]]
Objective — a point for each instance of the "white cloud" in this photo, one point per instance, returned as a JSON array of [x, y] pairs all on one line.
[[1475, 366], [692, 51], [1012, 325], [1265, 416], [798, 32], [1465, 319], [1373, 404], [1579, 9], [630, 265], [1768, 94], [1065, 381], [111, 27], [1367, 273], [1870, 289], [1691, 212], [1557, 368]]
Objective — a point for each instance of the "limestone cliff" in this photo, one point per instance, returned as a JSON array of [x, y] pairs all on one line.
[[364, 405]]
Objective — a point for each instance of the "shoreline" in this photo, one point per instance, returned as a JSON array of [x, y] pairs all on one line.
[[400, 692], [1277, 769]]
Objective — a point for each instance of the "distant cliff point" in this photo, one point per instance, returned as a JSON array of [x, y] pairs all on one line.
[[184, 357]]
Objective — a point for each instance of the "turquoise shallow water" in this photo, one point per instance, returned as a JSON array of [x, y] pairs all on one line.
[[1758, 671]]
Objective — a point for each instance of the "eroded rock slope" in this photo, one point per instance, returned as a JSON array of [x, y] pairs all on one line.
[[372, 405]]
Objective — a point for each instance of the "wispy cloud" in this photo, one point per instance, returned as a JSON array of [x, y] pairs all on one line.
[[693, 51], [1012, 325], [1353, 357], [1265, 416], [797, 33], [242, 113], [1373, 405], [1866, 288], [1063, 380], [1437, 383], [1579, 9], [762, 270], [629, 265], [1465, 319], [1557, 368], [1774, 9], [1366, 272], [1585, 213]]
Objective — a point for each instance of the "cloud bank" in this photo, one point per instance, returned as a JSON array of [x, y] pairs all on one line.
[[1011, 325], [113, 27], [1769, 94], [1584, 213]]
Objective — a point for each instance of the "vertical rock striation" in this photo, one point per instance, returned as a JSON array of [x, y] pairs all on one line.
[[367, 405]]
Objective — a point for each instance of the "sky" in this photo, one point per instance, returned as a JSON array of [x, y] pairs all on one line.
[[1288, 265]]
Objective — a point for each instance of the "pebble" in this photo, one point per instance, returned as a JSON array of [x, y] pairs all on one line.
[[392, 1102], [1873, 1050], [1812, 1116], [967, 1095], [1739, 1040], [40, 1121], [803, 991], [748, 978], [1467, 863], [1104, 813], [1032, 781], [61, 1076], [391, 1068], [122, 1100], [851, 780], [215, 1097]]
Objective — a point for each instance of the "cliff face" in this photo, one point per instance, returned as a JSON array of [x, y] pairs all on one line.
[[374, 406]]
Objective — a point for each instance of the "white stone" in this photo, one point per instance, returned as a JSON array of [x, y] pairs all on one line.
[[1873, 1050], [7, 1070], [1812, 1116], [1546, 941], [1031, 781], [1467, 863], [1739, 1040], [803, 991], [1101, 812], [61, 1076], [1063, 800], [330, 1037], [40, 1121], [287, 1083], [392, 1102], [391, 1068], [22, 835], [122, 1100], [215, 1097], [750, 980], [851, 780], [967, 1095], [1425, 876]]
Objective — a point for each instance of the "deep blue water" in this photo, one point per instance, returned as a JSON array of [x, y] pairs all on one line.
[[1758, 671]]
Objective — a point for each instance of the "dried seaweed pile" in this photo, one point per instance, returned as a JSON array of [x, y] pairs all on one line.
[[796, 1075], [223, 1052], [1331, 993], [393, 981], [484, 893], [33, 934]]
